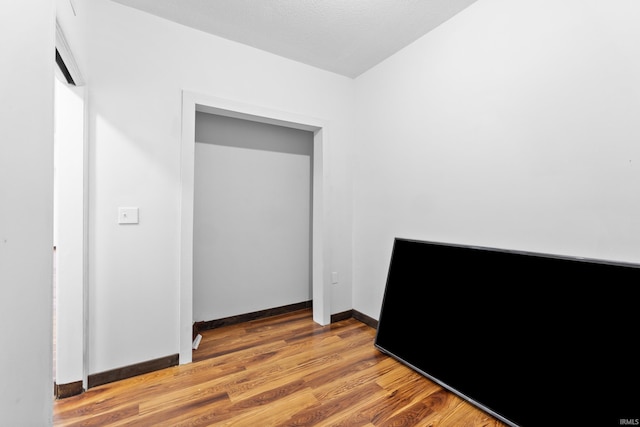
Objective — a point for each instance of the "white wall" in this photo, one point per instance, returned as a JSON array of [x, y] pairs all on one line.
[[27, 30], [513, 125], [136, 66], [69, 231], [252, 217]]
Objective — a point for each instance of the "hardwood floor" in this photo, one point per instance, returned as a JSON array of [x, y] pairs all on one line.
[[280, 371]]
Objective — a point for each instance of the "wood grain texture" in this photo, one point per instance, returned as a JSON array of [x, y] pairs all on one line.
[[132, 370], [62, 391], [284, 370]]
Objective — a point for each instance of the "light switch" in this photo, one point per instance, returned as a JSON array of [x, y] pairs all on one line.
[[334, 277], [127, 215]]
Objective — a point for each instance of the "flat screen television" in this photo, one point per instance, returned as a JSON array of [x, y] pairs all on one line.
[[532, 339]]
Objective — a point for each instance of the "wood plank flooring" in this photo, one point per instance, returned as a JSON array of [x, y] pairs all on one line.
[[281, 371]]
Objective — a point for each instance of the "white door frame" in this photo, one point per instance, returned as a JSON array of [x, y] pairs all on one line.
[[192, 102]]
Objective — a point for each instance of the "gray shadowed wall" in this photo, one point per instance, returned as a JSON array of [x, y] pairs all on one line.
[[252, 216]]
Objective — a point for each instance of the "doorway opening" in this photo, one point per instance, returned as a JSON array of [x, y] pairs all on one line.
[[252, 219], [193, 103], [69, 238], [70, 222]]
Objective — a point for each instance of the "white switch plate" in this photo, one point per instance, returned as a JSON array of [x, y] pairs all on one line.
[[127, 215], [334, 277]]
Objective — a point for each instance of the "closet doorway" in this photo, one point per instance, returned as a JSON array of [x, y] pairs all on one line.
[[193, 103], [252, 217]]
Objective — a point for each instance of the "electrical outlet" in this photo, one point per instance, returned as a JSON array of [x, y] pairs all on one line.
[[127, 215]]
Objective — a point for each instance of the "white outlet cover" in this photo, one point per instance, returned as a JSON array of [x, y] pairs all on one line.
[[334, 277], [128, 216]]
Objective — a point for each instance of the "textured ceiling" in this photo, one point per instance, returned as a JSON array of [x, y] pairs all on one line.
[[343, 36]]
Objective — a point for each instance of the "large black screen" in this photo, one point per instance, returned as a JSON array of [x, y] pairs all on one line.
[[532, 339]]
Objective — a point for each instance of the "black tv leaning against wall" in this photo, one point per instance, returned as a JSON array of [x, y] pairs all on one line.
[[532, 339]]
